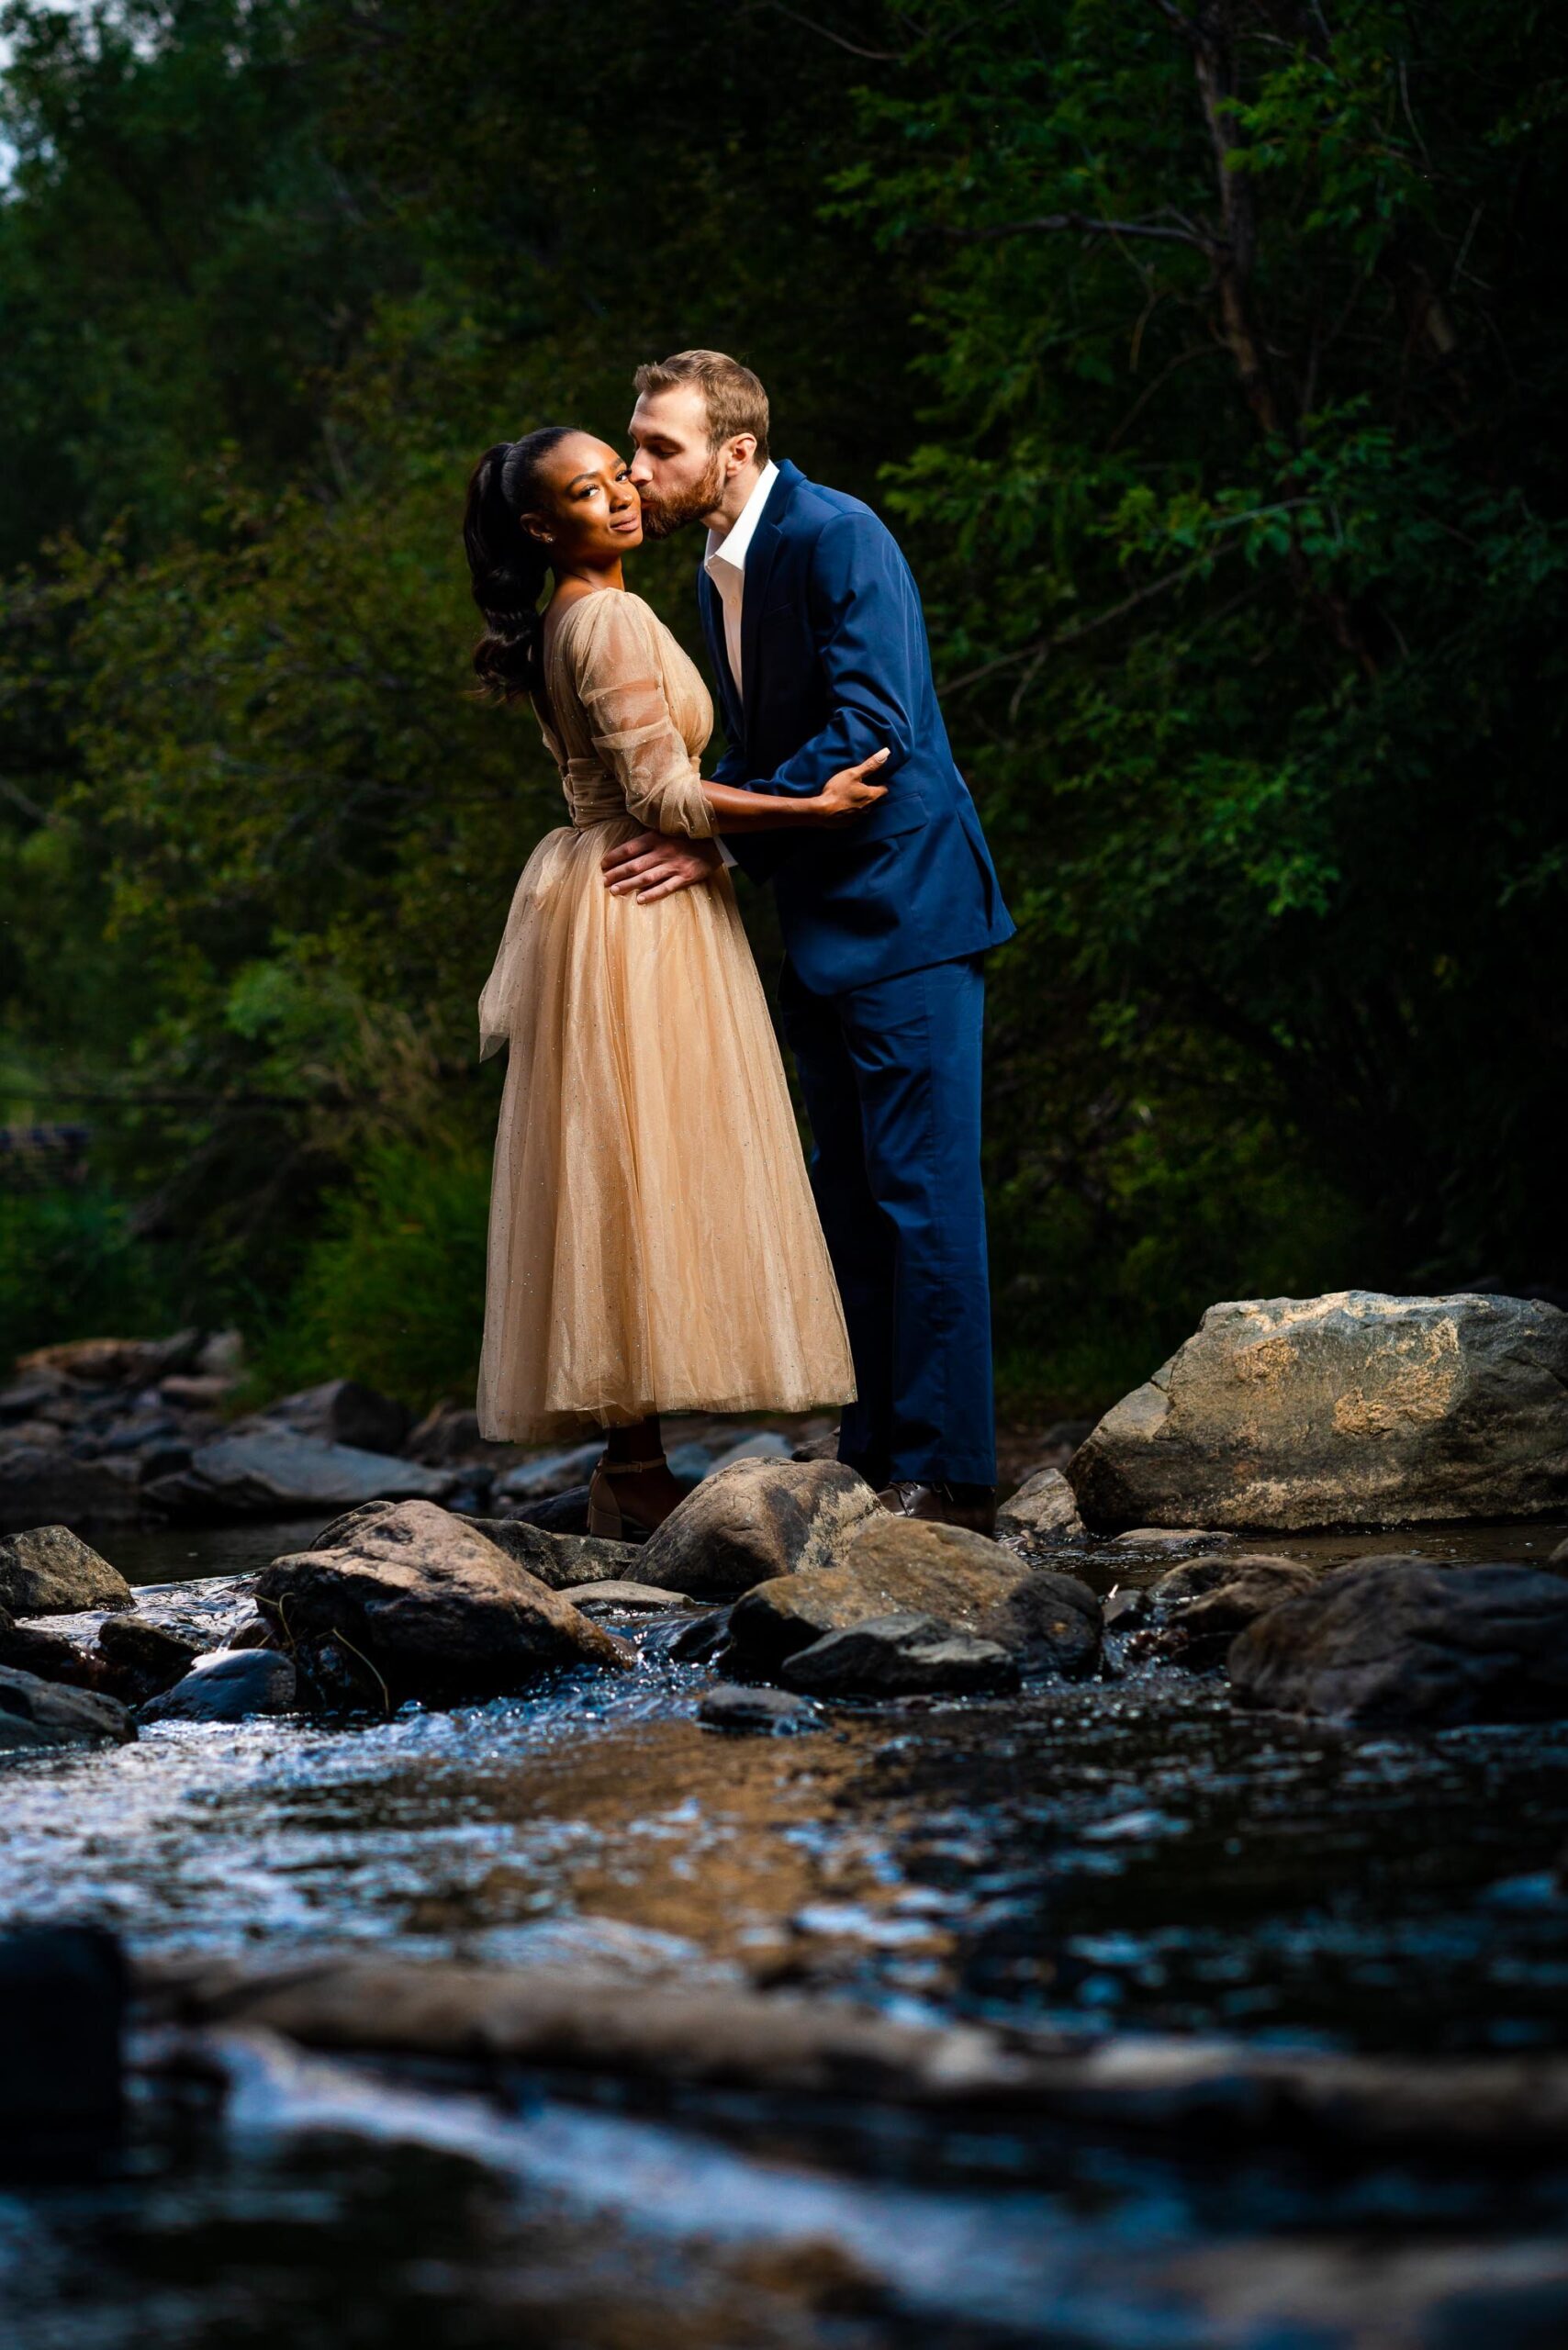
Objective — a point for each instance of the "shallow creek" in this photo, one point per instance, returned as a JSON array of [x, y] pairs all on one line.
[[1126, 1856]]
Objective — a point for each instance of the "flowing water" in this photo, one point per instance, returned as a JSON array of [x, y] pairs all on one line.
[[1126, 1856]]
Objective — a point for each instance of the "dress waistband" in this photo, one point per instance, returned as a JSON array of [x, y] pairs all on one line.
[[593, 796]]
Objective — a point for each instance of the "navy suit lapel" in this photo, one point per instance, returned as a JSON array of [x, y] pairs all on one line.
[[761, 555]]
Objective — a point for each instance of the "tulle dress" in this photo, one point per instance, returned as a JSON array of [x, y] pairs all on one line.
[[654, 1245]]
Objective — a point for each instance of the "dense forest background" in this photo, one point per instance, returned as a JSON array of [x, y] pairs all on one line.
[[1208, 357]]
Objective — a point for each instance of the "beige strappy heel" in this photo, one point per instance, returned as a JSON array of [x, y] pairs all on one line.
[[605, 1515]]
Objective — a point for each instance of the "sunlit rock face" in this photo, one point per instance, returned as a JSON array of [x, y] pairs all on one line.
[[1354, 1409]]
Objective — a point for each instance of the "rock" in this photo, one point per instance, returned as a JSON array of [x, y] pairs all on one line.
[[145, 1659], [39, 1481], [562, 1560], [897, 1656], [817, 1447], [764, 1446], [196, 1391], [431, 1608], [445, 1435], [35, 1714], [1352, 1409], [728, 1705], [755, 1521], [115, 1362], [1205, 1605], [1042, 1511], [340, 1411], [21, 1398], [227, 1686], [44, 1653], [632, 1598], [48, 1571], [63, 1992], [1559, 1557], [1401, 1640], [264, 1470], [1173, 1541], [221, 1355], [553, 1472], [561, 1514], [701, 1641], [1049, 1623]]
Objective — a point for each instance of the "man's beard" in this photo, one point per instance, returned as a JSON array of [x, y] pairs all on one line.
[[664, 516]]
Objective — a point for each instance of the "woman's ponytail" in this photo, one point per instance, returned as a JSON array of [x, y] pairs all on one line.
[[506, 567]]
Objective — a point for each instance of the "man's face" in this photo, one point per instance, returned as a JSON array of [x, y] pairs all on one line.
[[680, 475]]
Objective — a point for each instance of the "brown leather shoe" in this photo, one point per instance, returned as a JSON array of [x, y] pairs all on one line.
[[970, 1505]]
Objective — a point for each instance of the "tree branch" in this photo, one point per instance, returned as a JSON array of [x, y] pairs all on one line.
[[1088, 225]]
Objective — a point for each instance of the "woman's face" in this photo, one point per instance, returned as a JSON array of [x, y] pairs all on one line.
[[589, 511]]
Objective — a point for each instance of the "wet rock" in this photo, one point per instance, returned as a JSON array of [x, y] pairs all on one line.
[[1043, 1512], [227, 1686], [64, 1991], [274, 1472], [1350, 1409], [754, 1521], [1401, 1640], [1173, 1541], [39, 1481], [430, 1606], [701, 1641], [632, 1598], [145, 1659], [1205, 1605], [730, 1707], [1049, 1622], [49, 1657], [898, 1656], [36, 1713], [339, 1411], [49, 1571]]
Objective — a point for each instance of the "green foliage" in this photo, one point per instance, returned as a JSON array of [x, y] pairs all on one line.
[[392, 1290], [1209, 360], [71, 1263]]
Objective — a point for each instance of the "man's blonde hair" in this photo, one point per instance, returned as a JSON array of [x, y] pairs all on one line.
[[732, 395]]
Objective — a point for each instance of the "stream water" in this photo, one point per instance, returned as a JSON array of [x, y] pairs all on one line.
[[1124, 1856]]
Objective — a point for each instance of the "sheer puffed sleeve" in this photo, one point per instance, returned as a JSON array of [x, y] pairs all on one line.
[[619, 684]]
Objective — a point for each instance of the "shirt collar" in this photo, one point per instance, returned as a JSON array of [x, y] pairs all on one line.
[[731, 548]]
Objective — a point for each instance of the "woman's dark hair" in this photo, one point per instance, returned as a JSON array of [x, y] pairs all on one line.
[[506, 567]]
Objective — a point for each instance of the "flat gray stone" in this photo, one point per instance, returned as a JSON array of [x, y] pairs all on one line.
[[270, 1470], [635, 1598]]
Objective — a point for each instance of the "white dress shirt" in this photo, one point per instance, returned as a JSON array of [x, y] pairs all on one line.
[[725, 565]]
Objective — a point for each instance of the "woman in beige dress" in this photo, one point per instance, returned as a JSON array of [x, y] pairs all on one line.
[[653, 1245]]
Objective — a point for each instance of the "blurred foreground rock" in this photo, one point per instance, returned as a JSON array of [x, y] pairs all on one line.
[[1353, 1409], [1403, 1642], [36, 1713]]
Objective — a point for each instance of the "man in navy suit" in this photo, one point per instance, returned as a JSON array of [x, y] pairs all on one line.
[[818, 644]]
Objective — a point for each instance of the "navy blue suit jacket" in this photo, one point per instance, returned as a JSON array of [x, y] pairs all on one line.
[[835, 665]]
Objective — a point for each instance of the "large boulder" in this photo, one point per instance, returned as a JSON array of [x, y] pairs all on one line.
[[36, 1713], [755, 1521], [271, 1470], [1049, 1623], [428, 1607], [48, 1571], [1402, 1641], [1353, 1409]]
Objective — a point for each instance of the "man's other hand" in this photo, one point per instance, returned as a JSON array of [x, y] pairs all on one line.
[[654, 865]]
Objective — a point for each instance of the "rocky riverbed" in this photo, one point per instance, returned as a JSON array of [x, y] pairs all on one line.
[[1104, 2003]]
